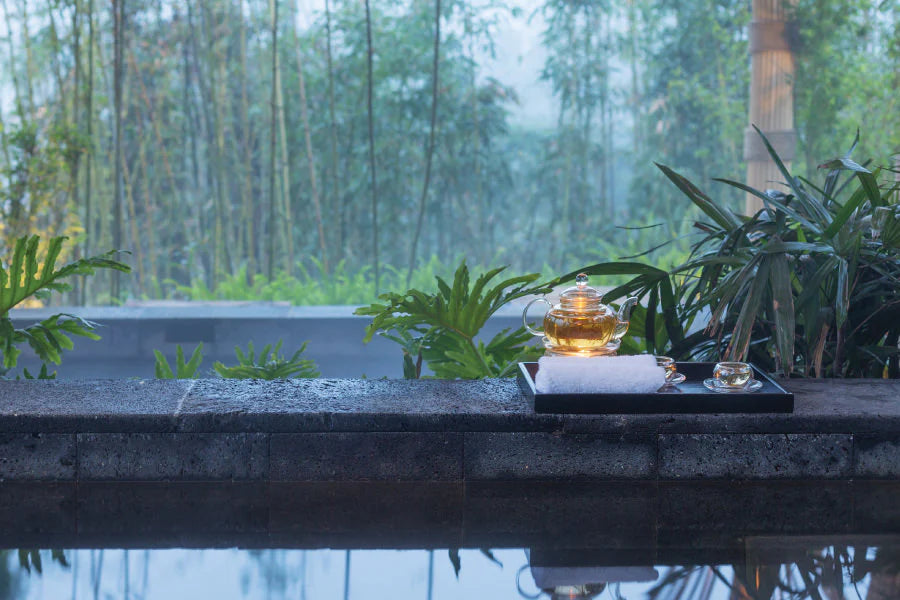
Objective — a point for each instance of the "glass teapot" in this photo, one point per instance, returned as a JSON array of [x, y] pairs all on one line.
[[581, 324]]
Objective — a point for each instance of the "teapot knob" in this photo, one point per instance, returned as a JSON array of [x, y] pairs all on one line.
[[581, 281]]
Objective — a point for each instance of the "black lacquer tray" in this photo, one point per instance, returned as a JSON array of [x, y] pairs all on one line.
[[688, 397]]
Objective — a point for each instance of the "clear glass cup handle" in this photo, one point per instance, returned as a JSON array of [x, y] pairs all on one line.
[[528, 327]]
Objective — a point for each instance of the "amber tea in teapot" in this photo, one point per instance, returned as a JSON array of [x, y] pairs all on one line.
[[581, 324]]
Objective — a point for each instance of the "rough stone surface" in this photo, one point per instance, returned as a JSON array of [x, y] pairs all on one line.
[[558, 456], [171, 456], [755, 456], [325, 405], [37, 456], [877, 456], [359, 405], [365, 456], [95, 405], [395, 429]]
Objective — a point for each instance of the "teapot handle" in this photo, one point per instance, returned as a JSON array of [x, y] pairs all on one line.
[[623, 318], [528, 327]]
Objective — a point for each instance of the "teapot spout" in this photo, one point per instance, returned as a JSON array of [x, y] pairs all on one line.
[[624, 317]]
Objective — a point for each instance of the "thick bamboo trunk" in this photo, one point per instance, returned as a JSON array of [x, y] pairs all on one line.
[[771, 97]]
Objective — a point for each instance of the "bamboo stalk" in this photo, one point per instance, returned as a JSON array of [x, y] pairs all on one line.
[[286, 203], [132, 221], [154, 125], [57, 72], [12, 61], [118, 6], [226, 132], [336, 199], [89, 116], [149, 205], [207, 133], [310, 158], [771, 96], [372, 175], [78, 287], [476, 135], [270, 266], [217, 143], [429, 152], [247, 211], [29, 59]]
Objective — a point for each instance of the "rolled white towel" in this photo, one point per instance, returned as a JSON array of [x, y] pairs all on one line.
[[600, 375]]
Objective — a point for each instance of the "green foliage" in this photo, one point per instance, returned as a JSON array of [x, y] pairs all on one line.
[[312, 287], [441, 328], [625, 82], [807, 285], [271, 365], [25, 276], [693, 96], [42, 374], [183, 370], [38, 172]]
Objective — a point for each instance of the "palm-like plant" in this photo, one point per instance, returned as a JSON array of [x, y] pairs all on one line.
[[810, 284]]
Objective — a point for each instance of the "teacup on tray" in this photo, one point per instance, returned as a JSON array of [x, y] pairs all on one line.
[[673, 377], [732, 377]]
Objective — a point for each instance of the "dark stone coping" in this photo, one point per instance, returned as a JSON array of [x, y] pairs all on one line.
[[660, 523], [346, 429]]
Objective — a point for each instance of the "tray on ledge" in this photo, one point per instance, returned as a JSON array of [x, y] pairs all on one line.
[[688, 397]]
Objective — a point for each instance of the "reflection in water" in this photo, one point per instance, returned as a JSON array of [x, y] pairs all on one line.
[[769, 569]]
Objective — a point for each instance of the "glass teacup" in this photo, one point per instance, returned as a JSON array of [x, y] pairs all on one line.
[[668, 365], [732, 374]]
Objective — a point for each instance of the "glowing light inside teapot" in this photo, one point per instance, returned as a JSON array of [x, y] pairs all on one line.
[[581, 325]]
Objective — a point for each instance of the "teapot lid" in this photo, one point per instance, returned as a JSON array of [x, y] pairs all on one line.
[[582, 296]]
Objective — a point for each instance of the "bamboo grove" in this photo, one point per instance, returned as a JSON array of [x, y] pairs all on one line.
[[227, 140]]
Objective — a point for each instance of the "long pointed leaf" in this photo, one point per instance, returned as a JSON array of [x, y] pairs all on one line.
[[783, 307]]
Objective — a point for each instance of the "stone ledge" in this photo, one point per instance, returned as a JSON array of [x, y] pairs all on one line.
[[390, 430]]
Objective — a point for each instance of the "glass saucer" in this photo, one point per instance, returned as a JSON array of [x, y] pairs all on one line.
[[609, 349], [751, 386]]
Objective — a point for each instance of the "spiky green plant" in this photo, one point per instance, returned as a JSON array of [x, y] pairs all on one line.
[[271, 364], [183, 369], [24, 275], [441, 328]]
